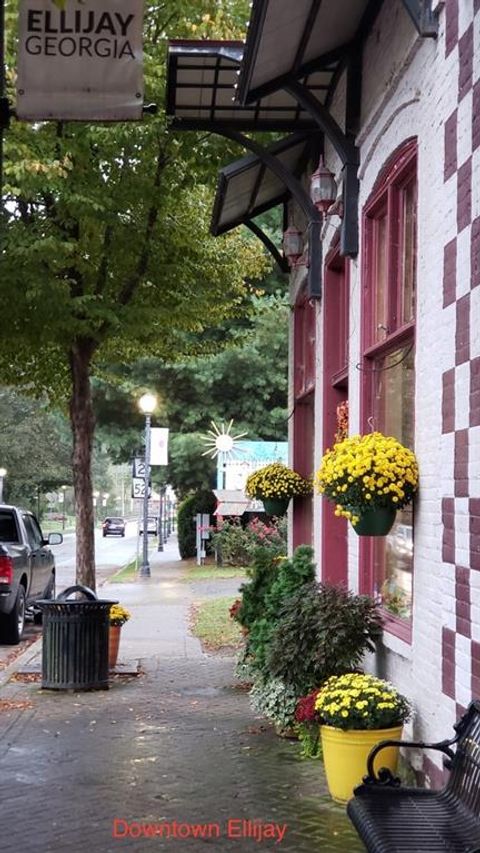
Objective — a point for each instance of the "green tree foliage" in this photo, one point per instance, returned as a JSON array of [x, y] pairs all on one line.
[[247, 382], [35, 448], [106, 253], [202, 501]]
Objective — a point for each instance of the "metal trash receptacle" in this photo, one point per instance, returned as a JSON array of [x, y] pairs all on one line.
[[75, 641]]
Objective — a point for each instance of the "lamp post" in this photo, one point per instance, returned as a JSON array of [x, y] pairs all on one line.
[[3, 473], [147, 404], [62, 501], [96, 495]]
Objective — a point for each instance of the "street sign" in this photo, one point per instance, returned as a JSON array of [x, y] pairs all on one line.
[[138, 488], [138, 469]]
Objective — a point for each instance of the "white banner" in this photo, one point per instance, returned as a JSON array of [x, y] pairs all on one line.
[[159, 446], [82, 62]]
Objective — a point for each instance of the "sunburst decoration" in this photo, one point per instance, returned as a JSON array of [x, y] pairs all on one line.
[[221, 442]]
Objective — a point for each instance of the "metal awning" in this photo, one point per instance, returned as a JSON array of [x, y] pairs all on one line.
[[247, 188], [293, 39], [201, 80]]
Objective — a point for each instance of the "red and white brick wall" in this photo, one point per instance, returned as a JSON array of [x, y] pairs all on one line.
[[431, 89]]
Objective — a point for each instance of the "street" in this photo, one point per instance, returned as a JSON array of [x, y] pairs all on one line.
[[111, 553]]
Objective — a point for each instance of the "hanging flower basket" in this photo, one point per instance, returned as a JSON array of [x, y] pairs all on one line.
[[275, 506], [374, 521], [369, 477], [275, 485]]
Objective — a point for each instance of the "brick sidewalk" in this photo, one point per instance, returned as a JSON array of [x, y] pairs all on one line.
[[177, 744]]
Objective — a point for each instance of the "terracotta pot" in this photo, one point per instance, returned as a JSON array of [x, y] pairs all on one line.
[[275, 506], [113, 645], [374, 522]]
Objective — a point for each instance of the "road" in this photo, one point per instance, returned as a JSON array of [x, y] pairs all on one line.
[[111, 554]]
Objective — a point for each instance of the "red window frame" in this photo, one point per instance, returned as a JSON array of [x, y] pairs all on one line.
[[387, 198]]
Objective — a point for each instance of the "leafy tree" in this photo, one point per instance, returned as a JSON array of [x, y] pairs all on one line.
[[106, 253], [35, 448]]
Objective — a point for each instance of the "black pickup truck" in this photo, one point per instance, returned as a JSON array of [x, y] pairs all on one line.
[[27, 569]]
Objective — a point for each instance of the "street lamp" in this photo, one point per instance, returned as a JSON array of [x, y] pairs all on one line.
[[3, 473], [62, 501], [147, 404], [95, 495]]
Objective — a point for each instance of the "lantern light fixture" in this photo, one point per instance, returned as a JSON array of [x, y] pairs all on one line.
[[292, 244], [323, 188]]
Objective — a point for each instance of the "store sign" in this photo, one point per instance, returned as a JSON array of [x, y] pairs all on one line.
[[82, 62]]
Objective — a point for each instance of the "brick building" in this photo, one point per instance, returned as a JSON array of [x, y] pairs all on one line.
[[386, 296]]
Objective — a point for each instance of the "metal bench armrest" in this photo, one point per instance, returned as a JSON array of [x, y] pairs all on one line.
[[385, 777]]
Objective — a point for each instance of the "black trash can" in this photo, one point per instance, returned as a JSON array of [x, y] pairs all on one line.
[[75, 641]]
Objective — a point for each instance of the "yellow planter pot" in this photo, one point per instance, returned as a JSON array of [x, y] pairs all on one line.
[[345, 756]]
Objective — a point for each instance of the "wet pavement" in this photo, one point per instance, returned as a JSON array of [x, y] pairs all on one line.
[[170, 759]]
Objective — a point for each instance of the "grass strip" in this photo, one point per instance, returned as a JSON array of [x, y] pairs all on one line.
[[212, 572], [125, 575], [211, 623]]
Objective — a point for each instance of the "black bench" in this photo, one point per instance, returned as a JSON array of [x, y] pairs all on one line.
[[394, 819]]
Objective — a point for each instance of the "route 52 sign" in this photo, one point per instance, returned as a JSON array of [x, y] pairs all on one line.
[[138, 488]]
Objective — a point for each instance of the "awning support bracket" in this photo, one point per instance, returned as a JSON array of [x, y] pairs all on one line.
[[314, 216], [349, 155], [280, 260]]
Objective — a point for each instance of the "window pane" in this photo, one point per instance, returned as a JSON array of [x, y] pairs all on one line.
[[380, 315], [408, 244], [394, 391]]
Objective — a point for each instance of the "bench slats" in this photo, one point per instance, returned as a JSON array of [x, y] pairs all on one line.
[[409, 820]]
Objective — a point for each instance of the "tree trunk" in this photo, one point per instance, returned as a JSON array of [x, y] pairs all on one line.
[[83, 425]]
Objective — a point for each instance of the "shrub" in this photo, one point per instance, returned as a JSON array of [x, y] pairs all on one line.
[[276, 701], [322, 630], [237, 545], [202, 501], [272, 585]]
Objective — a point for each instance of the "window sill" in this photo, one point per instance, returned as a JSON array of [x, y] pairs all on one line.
[[397, 635]]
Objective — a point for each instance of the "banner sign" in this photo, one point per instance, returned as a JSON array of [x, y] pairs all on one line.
[[159, 446], [82, 62]]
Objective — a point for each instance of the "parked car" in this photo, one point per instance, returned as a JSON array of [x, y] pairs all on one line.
[[113, 527], [152, 526], [27, 569]]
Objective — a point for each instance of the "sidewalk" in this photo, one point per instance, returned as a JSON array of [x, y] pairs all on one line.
[[175, 747]]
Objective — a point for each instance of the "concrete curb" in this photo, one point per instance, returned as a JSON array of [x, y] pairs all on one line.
[[20, 661]]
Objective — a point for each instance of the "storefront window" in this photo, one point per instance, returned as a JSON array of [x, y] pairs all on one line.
[[388, 389], [394, 390]]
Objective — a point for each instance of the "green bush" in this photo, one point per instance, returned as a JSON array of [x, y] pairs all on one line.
[[202, 501], [322, 630], [273, 582], [237, 545], [276, 701]]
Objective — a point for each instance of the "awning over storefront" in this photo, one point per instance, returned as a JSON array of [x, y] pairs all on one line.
[[233, 502], [246, 188], [293, 39], [288, 39], [201, 80]]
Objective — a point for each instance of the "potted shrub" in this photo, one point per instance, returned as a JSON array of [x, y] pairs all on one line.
[[368, 477], [356, 712], [117, 617], [274, 485], [321, 630]]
